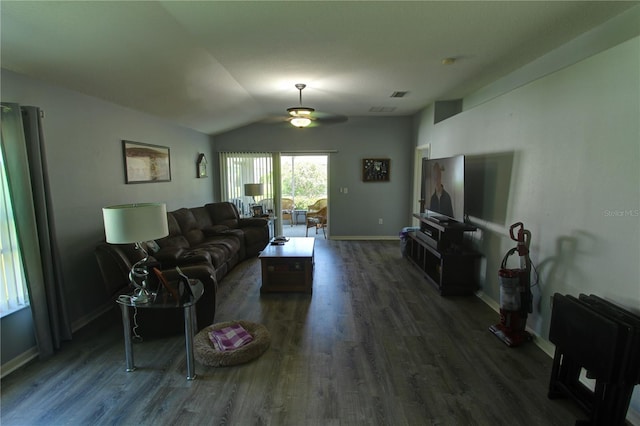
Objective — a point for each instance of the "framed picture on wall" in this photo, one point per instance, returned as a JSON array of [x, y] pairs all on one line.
[[144, 163], [375, 169]]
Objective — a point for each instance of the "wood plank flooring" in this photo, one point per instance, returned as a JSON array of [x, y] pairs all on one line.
[[373, 345]]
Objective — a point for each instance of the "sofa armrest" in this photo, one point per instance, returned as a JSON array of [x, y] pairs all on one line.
[[194, 257], [151, 263], [206, 306], [253, 222]]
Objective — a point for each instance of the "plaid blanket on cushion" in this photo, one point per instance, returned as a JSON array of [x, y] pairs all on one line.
[[230, 338]]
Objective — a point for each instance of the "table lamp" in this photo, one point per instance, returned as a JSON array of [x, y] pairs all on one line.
[[136, 223], [253, 189]]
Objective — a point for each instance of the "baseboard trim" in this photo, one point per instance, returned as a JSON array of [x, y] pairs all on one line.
[[32, 353], [546, 346], [85, 320], [364, 238], [19, 361]]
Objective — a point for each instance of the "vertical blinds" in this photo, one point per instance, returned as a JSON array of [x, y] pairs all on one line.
[[239, 168]]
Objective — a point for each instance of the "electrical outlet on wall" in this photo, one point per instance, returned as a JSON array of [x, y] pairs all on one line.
[[380, 221]]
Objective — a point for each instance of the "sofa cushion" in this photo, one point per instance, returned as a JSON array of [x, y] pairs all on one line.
[[175, 237], [189, 226], [218, 255], [237, 234], [223, 214], [230, 243], [172, 224], [202, 217], [175, 242]]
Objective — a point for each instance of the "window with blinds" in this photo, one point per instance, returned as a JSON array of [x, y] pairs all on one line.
[[240, 168], [13, 291]]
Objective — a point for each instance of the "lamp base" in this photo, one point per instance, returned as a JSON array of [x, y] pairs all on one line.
[[138, 278], [141, 295]]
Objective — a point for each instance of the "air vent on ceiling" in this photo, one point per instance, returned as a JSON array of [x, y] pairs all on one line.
[[400, 94], [382, 109]]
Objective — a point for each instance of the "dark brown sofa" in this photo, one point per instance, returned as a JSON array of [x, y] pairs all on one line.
[[205, 242]]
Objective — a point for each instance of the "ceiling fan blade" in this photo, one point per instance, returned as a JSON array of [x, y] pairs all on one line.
[[328, 118], [274, 119], [317, 118]]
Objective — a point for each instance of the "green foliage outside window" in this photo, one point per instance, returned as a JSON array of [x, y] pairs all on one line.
[[308, 179]]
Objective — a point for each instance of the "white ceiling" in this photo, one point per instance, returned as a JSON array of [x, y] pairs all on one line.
[[217, 65]]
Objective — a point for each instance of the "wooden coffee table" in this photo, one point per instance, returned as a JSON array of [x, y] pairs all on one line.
[[288, 267]]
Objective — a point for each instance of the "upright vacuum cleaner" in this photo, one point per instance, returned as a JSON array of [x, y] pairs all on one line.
[[515, 292]]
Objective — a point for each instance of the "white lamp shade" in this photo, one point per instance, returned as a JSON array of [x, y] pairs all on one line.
[[253, 189], [132, 223]]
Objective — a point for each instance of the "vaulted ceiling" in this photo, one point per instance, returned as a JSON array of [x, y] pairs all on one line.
[[217, 65]]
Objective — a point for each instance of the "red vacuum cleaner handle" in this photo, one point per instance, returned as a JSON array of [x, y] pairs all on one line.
[[520, 235], [523, 238]]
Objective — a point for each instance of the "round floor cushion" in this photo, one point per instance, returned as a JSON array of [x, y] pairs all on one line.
[[205, 353]]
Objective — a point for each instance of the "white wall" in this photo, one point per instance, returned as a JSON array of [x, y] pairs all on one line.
[[84, 153], [574, 138]]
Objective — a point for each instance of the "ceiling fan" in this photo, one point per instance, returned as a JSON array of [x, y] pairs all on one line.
[[302, 116]]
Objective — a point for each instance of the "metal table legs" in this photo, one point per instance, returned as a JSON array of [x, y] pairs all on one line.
[[188, 337], [128, 344], [189, 319]]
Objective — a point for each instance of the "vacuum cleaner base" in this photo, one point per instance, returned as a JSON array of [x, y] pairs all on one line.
[[510, 338]]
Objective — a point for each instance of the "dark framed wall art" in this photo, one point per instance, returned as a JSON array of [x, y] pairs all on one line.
[[375, 169], [144, 163]]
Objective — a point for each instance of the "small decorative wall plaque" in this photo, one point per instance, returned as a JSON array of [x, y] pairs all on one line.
[[201, 166], [375, 169]]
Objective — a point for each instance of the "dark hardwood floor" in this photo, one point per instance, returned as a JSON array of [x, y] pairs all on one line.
[[373, 345]]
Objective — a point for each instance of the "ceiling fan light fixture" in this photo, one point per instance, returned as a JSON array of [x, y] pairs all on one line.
[[300, 111], [300, 115], [300, 122]]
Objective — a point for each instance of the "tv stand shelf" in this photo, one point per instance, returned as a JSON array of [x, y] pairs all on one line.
[[438, 250]]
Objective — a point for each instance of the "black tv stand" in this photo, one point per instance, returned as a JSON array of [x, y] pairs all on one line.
[[438, 249], [439, 219]]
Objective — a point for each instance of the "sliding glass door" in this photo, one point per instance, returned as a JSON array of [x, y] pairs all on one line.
[[304, 182], [285, 186]]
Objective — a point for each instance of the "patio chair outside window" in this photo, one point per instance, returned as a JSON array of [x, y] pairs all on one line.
[[317, 216]]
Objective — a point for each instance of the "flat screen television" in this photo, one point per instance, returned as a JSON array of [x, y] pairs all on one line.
[[443, 188]]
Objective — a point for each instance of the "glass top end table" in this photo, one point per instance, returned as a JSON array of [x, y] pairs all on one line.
[[126, 301]]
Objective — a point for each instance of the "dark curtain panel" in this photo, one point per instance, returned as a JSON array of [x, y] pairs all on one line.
[[29, 186], [50, 293]]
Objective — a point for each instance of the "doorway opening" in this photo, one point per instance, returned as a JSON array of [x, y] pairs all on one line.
[[304, 183]]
